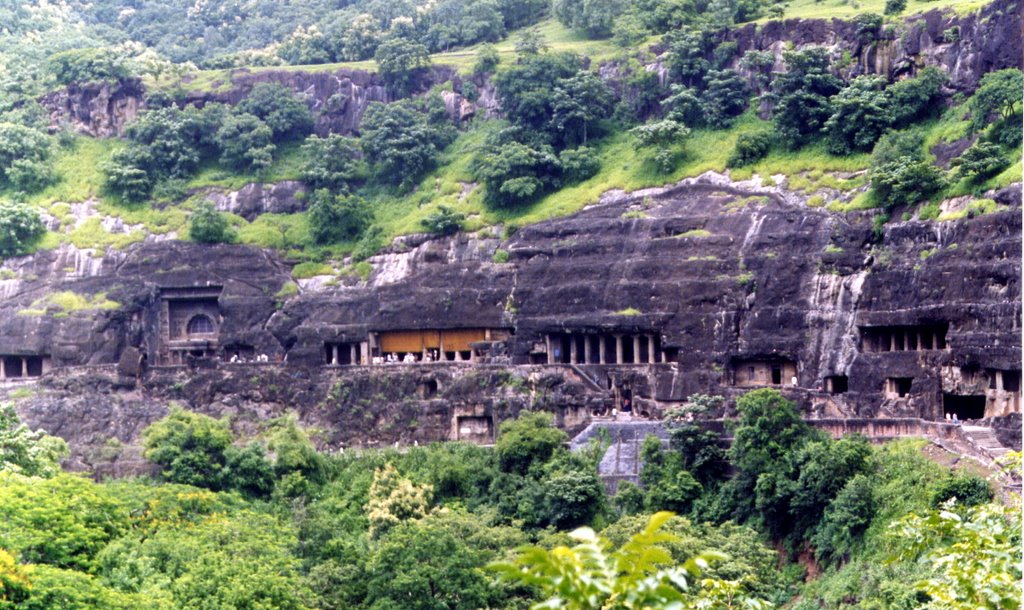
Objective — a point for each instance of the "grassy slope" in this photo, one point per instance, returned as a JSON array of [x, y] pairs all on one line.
[[844, 9], [560, 38], [451, 184]]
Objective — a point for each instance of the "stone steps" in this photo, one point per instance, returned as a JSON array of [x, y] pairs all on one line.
[[985, 438]]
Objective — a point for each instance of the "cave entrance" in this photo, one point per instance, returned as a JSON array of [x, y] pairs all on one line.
[[626, 399], [898, 387], [837, 384], [475, 428], [964, 406], [428, 389]]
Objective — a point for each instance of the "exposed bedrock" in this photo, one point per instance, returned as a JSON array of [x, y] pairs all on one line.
[[256, 198], [708, 286], [966, 46], [985, 40]]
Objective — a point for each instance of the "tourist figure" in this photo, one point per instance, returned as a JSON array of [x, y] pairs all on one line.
[[956, 420], [627, 405]]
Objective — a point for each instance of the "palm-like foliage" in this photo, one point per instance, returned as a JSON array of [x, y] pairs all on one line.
[[639, 575]]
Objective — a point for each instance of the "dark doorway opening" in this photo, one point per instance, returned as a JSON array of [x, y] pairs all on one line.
[[899, 386], [776, 374], [837, 384], [34, 366], [564, 347], [428, 388], [12, 367], [1011, 381], [964, 406], [609, 351], [628, 357]]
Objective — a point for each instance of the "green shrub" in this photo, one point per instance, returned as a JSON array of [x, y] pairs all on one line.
[[895, 7], [400, 61], [20, 225], [444, 221], [572, 496], [334, 218], [189, 448], [245, 142], [487, 59], [750, 148], [578, 164], [529, 439], [981, 161], [904, 182], [127, 175], [802, 96], [845, 521], [276, 105], [861, 115], [968, 489], [500, 256], [208, 226], [330, 162]]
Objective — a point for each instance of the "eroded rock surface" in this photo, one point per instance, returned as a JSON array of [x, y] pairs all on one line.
[[723, 280]]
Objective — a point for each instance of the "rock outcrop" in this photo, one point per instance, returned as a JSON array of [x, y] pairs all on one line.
[[253, 199], [99, 109], [966, 46], [714, 277]]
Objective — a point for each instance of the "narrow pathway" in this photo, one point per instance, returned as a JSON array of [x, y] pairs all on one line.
[[985, 439]]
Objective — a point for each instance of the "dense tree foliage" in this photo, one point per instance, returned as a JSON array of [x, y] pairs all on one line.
[[334, 218], [331, 162], [286, 115], [444, 221], [802, 95], [402, 140], [27, 452], [900, 172], [24, 157], [418, 528], [595, 18], [20, 224], [208, 226]]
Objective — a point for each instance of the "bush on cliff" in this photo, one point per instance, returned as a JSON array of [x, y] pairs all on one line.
[[208, 226], [20, 224]]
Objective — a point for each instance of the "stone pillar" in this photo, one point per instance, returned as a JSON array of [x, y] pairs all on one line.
[[920, 341], [999, 381], [650, 349], [892, 341], [364, 351], [24, 367], [572, 350], [353, 353], [601, 357], [636, 349], [618, 349], [551, 354], [3, 369], [587, 350], [334, 354]]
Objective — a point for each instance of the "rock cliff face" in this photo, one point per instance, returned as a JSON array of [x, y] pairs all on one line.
[[95, 109], [731, 286], [965, 46], [286, 197]]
